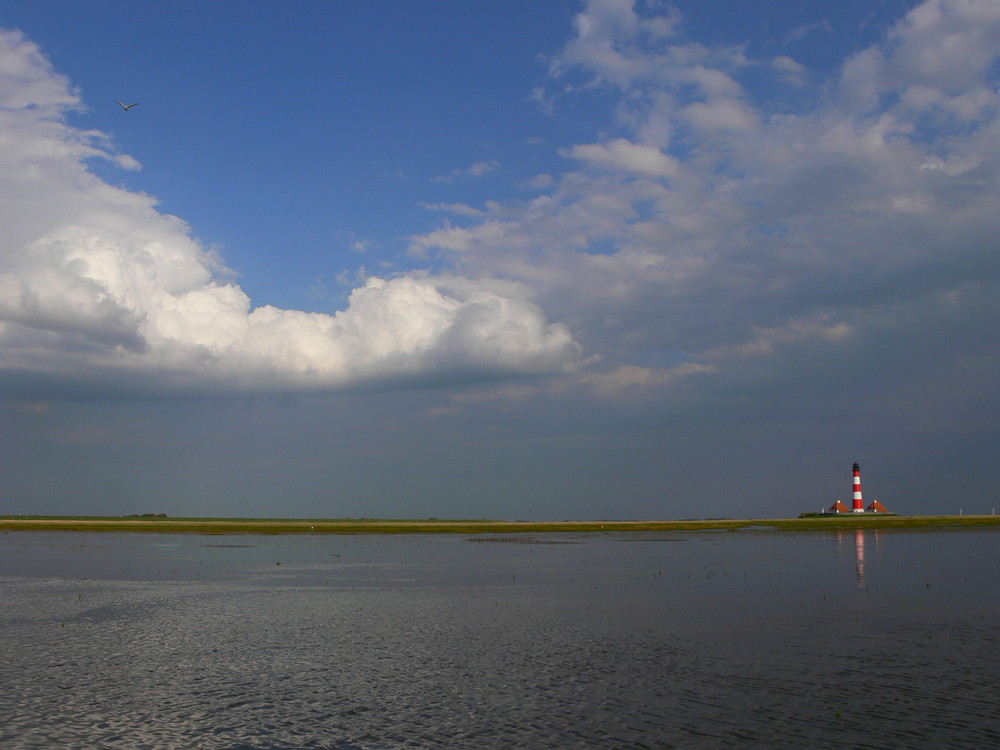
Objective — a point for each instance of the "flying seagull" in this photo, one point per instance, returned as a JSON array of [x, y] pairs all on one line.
[[126, 107]]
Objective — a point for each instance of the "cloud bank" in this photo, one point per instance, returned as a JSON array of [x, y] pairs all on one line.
[[751, 215], [743, 222], [100, 291]]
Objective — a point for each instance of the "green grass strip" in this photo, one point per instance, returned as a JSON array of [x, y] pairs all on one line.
[[162, 525]]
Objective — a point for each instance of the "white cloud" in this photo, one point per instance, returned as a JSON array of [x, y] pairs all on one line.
[[540, 182], [938, 57], [482, 167], [721, 114], [95, 283], [458, 209], [766, 340], [475, 170], [32, 82], [608, 38], [626, 156], [811, 229], [801, 32], [790, 71], [632, 377]]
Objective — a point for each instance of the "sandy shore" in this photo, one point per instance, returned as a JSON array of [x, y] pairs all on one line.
[[435, 526]]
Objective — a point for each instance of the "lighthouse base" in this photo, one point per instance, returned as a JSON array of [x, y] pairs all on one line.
[[834, 513]]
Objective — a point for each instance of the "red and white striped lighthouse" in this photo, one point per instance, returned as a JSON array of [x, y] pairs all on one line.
[[858, 506]]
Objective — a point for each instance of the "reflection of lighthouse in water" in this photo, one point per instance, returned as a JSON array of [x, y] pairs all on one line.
[[859, 555], [859, 550]]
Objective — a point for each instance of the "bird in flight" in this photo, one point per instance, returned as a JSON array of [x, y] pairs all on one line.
[[126, 107]]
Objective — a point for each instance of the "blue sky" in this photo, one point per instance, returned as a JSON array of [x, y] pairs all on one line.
[[520, 260], [287, 134]]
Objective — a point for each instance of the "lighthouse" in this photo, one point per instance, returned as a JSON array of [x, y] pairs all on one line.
[[858, 506]]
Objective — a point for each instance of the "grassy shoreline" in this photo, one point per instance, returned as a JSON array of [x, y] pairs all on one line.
[[161, 525]]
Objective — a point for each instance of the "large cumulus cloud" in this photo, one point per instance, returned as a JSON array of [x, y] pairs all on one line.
[[98, 287]]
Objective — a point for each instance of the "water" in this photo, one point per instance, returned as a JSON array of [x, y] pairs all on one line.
[[704, 640]]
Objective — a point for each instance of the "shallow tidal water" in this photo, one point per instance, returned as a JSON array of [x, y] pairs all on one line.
[[686, 640]]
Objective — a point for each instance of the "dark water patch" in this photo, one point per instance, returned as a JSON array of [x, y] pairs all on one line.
[[549, 539], [650, 537], [504, 539]]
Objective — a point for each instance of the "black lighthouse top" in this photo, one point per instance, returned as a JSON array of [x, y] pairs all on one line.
[[856, 467]]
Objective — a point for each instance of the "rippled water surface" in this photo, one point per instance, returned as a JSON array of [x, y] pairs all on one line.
[[873, 640]]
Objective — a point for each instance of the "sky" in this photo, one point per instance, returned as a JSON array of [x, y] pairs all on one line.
[[579, 259]]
